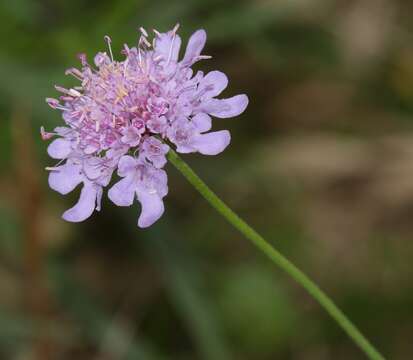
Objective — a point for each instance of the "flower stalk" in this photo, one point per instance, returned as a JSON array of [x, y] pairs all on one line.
[[276, 257]]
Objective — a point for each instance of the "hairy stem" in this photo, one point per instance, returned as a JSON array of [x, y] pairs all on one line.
[[276, 257]]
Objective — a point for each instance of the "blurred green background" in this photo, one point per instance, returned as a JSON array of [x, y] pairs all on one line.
[[321, 164]]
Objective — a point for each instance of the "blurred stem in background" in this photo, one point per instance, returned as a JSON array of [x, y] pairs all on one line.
[[276, 257]]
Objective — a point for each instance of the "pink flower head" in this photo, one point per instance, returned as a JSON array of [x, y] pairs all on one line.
[[122, 114]]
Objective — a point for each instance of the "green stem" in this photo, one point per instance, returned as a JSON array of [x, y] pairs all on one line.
[[276, 257]]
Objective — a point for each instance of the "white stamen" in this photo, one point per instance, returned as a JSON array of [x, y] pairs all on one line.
[[144, 41], [170, 49], [140, 57], [75, 93], [61, 89], [143, 31], [52, 168], [109, 42], [175, 29], [74, 72]]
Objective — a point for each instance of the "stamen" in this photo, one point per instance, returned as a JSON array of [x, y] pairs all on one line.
[[46, 135], [175, 29], [170, 49], [140, 57], [143, 40], [61, 89], [53, 103], [52, 168], [83, 59], [66, 98], [75, 93], [126, 49], [109, 42], [74, 72], [143, 31]]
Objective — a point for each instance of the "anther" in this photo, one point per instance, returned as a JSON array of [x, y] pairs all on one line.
[[83, 59], [74, 72], [53, 103], [143, 40], [46, 135], [75, 93], [51, 168], [143, 31], [175, 29]]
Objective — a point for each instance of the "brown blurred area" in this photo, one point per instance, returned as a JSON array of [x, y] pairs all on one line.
[[321, 164]]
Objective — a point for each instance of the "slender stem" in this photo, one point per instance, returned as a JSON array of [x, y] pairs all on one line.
[[276, 257]]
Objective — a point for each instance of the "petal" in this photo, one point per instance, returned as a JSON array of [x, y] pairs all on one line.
[[65, 178], [213, 84], [202, 122], [195, 45], [85, 206], [167, 45], [152, 208], [62, 130], [226, 108], [212, 143], [184, 149], [123, 192], [59, 149], [92, 167], [127, 164]]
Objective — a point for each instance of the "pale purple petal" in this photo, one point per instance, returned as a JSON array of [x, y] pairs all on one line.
[[167, 45], [154, 151], [152, 208], [212, 143], [131, 136], [92, 167], [213, 84], [157, 125], [91, 148], [195, 45], [85, 206], [202, 122], [123, 192], [127, 164], [185, 149], [65, 178], [59, 149], [226, 108]]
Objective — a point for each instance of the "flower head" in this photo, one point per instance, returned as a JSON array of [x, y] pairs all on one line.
[[122, 115]]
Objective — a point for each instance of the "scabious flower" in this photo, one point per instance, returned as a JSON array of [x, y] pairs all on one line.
[[124, 113]]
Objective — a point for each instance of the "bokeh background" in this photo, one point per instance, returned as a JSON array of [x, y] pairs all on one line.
[[321, 164]]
